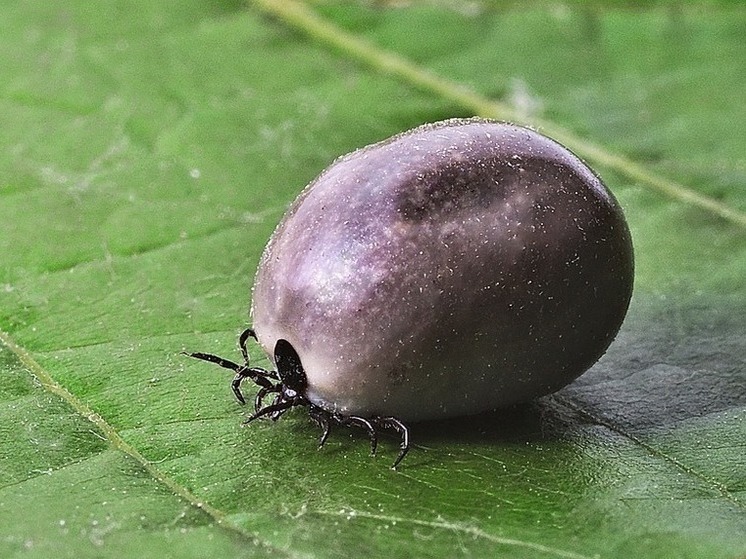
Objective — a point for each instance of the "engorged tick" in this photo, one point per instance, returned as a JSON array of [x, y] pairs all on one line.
[[456, 268]]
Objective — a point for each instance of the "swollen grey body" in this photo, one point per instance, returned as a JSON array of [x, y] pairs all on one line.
[[455, 268]]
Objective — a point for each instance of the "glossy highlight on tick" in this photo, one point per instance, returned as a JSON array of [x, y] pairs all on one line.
[[456, 268]]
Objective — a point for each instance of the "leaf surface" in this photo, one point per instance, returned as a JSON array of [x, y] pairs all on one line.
[[149, 149]]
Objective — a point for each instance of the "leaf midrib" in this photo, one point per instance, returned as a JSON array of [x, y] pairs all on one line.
[[115, 439], [301, 17]]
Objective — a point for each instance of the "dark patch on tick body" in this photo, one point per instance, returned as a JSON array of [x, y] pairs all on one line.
[[444, 192]]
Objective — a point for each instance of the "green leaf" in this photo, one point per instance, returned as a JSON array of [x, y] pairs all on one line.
[[148, 151]]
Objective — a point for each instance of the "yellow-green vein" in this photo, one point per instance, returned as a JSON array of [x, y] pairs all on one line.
[[441, 524], [115, 439], [300, 16]]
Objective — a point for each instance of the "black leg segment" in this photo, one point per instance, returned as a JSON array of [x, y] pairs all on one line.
[[289, 384]]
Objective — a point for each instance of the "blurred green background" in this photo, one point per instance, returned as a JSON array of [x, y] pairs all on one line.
[[148, 149]]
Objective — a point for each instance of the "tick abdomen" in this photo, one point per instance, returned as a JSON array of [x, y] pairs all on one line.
[[456, 268]]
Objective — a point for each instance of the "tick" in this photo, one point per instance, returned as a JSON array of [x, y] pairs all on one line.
[[456, 268]]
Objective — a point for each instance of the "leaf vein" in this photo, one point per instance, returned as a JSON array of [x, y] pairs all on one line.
[[300, 16], [688, 470], [117, 442], [473, 531]]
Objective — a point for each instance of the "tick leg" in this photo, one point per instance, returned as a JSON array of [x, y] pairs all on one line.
[[279, 407], [242, 339], [278, 399], [236, 387], [402, 429], [321, 417], [225, 363], [262, 377], [365, 424], [259, 399], [275, 410], [259, 376]]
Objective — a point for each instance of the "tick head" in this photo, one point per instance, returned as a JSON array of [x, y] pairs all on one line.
[[290, 369]]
